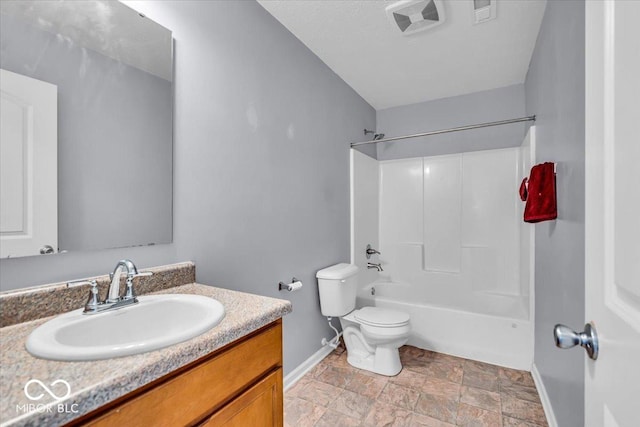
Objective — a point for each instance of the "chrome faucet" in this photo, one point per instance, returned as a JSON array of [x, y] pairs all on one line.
[[114, 300], [114, 287], [374, 265]]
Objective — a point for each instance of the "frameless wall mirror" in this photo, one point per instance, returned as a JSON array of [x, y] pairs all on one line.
[[87, 125]]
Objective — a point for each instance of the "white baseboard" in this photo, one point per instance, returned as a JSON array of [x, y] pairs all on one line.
[[544, 397], [306, 366]]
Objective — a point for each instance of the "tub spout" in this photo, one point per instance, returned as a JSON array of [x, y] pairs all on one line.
[[378, 266]]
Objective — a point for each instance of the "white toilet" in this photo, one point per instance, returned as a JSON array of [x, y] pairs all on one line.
[[372, 334]]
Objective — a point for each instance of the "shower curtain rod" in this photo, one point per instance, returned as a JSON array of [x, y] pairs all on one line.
[[437, 132]]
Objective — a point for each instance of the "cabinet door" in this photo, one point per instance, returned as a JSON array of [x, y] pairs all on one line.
[[260, 406]]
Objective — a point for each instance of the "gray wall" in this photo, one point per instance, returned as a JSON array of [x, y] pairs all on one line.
[[261, 166], [114, 133], [262, 158], [555, 92], [480, 107]]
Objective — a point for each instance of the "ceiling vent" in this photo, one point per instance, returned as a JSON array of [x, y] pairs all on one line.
[[413, 16], [484, 10]]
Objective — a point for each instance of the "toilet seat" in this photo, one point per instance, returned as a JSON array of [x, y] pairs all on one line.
[[381, 317]]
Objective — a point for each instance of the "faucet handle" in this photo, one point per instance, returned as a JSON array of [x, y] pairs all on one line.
[[370, 251], [130, 292], [93, 301], [142, 274]]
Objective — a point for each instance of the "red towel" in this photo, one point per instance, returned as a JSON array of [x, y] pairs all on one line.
[[540, 193]]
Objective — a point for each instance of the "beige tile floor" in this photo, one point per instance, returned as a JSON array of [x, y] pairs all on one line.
[[433, 389]]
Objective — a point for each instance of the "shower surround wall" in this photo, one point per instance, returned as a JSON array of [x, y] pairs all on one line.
[[455, 250]]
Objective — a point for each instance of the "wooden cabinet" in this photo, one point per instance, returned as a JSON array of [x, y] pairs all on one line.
[[260, 406], [237, 385]]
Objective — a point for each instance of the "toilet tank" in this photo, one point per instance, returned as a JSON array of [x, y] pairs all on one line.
[[337, 286]]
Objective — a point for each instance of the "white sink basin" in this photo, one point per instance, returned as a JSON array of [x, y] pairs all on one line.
[[155, 322]]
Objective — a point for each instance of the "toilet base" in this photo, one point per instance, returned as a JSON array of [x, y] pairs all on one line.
[[381, 359], [385, 361]]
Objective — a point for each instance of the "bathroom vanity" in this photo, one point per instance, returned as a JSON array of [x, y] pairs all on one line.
[[240, 384], [231, 374]]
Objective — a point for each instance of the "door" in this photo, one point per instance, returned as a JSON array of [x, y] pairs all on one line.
[[612, 382], [29, 166]]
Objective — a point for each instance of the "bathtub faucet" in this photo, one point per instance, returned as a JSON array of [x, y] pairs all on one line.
[[370, 251], [374, 265]]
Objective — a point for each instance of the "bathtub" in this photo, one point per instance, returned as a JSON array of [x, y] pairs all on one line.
[[500, 333]]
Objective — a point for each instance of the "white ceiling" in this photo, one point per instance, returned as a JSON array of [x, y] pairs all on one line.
[[355, 39]]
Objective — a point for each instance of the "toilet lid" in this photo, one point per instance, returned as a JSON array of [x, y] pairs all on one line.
[[376, 316]]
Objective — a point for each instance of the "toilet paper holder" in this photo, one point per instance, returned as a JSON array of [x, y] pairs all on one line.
[[293, 286]]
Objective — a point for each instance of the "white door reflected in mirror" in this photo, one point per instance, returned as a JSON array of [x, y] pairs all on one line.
[[29, 170]]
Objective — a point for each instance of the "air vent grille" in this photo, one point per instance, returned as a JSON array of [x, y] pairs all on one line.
[[412, 16]]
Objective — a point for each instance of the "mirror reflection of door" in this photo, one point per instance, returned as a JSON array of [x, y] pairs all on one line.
[[113, 69], [29, 171]]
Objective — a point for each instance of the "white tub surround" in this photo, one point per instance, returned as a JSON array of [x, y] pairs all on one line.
[[455, 252]]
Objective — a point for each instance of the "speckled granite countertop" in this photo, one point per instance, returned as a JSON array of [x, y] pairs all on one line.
[[96, 383]]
